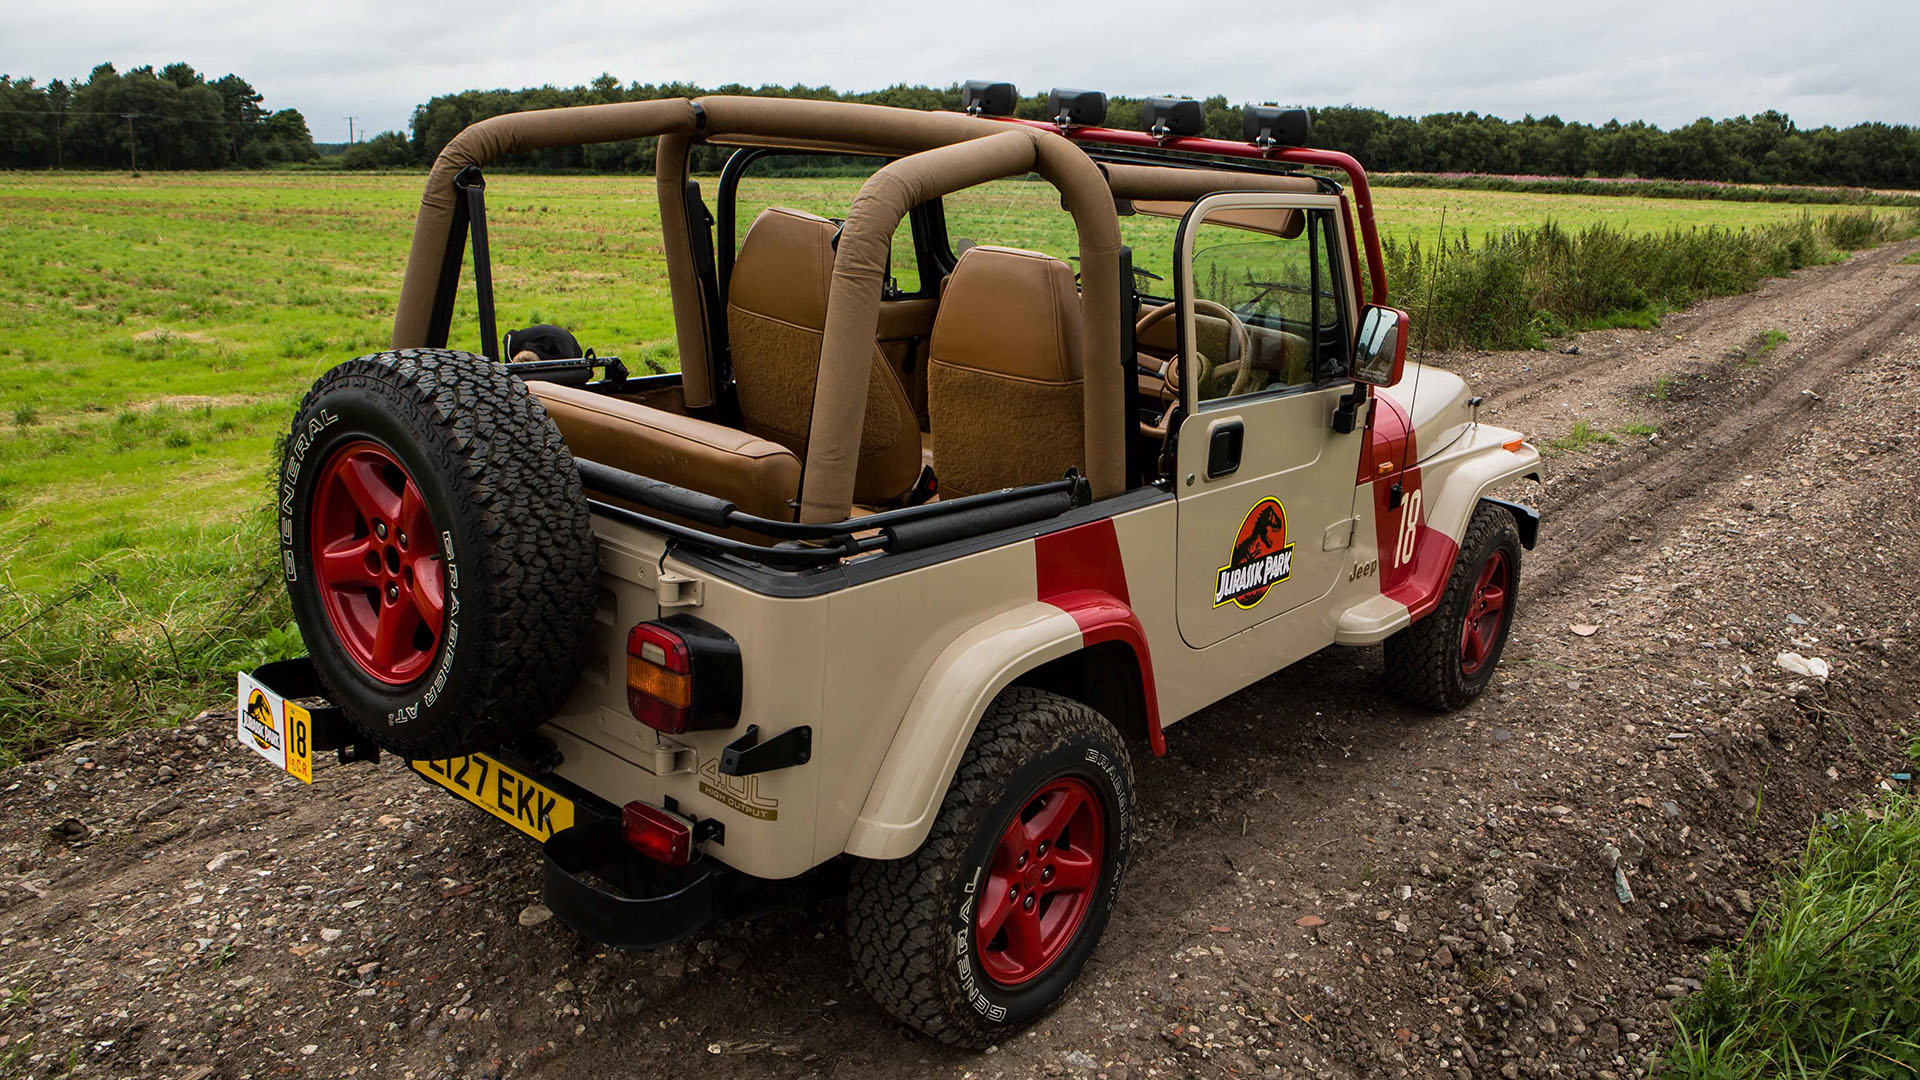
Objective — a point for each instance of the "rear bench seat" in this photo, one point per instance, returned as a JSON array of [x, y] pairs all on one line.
[[757, 475]]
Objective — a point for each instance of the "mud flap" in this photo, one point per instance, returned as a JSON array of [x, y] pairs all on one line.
[[1525, 518], [630, 903]]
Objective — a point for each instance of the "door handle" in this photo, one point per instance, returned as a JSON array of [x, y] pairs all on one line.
[[1225, 439]]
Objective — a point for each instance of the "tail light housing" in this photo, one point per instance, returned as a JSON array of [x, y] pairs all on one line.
[[683, 674], [660, 835]]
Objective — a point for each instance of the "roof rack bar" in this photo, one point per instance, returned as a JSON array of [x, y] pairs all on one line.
[[1291, 155]]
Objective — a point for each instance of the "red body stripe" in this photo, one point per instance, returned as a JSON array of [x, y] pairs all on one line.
[[1079, 571], [1418, 581]]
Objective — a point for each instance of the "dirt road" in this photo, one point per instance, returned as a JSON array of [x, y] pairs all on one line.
[[1324, 884]]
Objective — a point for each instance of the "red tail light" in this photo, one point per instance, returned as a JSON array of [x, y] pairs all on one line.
[[682, 675], [659, 835]]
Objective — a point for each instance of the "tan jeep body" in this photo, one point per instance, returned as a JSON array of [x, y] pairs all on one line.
[[891, 658]]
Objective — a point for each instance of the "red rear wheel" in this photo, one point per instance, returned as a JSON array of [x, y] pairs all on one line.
[[376, 555], [1486, 613], [1041, 881]]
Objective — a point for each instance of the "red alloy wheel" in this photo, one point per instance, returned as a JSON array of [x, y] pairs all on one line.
[[1041, 881], [1486, 613], [376, 557]]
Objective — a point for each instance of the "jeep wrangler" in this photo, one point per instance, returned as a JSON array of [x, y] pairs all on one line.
[[926, 541]]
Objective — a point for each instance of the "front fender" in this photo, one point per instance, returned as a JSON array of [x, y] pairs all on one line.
[[955, 694], [1458, 478], [1452, 484]]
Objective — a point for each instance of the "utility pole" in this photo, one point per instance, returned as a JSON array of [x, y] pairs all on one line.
[[350, 121], [133, 160]]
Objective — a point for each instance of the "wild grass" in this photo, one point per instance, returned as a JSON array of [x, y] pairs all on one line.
[[1581, 436], [1757, 349], [1639, 430], [1656, 189], [1829, 984], [1517, 288]]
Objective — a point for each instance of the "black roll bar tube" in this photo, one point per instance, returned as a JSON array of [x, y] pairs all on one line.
[[1050, 499], [473, 187]]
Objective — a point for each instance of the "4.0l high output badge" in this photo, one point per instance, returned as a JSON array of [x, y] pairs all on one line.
[[1262, 557]]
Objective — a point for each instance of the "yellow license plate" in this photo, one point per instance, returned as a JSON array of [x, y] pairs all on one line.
[[530, 807]]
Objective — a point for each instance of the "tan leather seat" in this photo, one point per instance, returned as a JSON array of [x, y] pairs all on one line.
[[757, 475], [776, 317], [1004, 394]]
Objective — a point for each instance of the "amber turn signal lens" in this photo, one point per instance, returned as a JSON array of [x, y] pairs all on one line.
[[1514, 445], [658, 683]]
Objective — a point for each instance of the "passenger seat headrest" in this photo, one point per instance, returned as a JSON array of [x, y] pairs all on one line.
[[785, 268], [1010, 312]]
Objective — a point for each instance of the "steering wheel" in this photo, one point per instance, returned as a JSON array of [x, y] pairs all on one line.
[[1239, 347]]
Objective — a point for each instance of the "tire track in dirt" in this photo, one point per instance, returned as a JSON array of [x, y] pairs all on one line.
[[1599, 514], [1720, 323]]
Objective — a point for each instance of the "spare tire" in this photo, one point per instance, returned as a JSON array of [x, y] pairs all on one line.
[[437, 550]]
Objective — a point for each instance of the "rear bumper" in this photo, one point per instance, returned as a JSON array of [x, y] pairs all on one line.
[[628, 903]]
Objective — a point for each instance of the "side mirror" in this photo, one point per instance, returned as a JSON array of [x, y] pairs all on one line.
[[1380, 355]]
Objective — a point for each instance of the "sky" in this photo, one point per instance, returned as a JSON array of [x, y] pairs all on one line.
[[1836, 62]]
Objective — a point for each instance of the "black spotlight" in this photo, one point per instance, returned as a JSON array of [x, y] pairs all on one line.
[[1163, 117], [1270, 125], [980, 98], [1076, 108]]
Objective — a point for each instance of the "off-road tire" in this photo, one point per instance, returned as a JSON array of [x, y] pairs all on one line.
[[1423, 663], [517, 547], [910, 921]]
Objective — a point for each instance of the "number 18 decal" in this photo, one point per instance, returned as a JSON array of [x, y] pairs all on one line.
[[1409, 529]]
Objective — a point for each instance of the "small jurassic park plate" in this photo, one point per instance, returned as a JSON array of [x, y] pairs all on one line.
[[275, 728]]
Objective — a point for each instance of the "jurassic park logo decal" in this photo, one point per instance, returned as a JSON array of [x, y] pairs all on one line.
[[1262, 557]]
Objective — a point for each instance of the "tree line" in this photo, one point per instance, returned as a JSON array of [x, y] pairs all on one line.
[[1767, 148], [184, 121], [173, 118]]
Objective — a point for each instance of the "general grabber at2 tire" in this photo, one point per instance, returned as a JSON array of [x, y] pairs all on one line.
[[1445, 660], [437, 550], [982, 930]]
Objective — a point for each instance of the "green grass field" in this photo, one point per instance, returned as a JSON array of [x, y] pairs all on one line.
[[161, 329]]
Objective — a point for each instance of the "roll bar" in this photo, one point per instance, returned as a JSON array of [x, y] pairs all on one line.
[[935, 153]]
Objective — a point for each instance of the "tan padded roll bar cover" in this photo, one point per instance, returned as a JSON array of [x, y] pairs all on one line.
[[1169, 182], [837, 125], [860, 264], [484, 142]]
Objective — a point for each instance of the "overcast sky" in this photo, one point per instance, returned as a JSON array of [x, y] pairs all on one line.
[[1671, 61]]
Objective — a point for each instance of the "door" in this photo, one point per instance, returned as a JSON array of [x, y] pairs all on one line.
[[1265, 484]]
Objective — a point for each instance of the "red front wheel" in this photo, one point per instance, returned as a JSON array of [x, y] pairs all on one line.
[[1447, 659], [1486, 618]]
